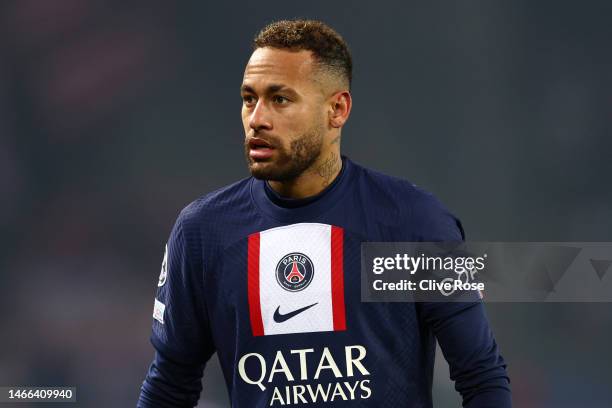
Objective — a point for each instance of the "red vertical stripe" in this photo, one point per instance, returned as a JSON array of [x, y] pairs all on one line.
[[337, 277], [253, 285]]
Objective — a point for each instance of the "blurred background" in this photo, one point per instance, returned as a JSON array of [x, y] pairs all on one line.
[[114, 115]]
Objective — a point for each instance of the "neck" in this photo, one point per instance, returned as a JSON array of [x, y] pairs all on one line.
[[312, 181]]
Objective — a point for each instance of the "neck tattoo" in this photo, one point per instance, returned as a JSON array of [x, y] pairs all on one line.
[[328, 168]]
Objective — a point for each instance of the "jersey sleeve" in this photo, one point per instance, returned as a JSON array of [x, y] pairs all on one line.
[[462, 328], [181, 331]]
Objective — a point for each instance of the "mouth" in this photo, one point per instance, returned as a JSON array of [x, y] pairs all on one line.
[[260, 149]]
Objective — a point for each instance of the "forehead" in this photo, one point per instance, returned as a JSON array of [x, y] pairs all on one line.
[[269, 65]]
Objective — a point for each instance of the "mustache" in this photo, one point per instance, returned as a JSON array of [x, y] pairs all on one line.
[[272, 140]]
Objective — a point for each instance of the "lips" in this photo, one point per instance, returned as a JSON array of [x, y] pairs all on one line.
[[260, 149], [255, 143]]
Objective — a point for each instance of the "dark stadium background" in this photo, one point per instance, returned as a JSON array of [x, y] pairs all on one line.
[[114, 115]]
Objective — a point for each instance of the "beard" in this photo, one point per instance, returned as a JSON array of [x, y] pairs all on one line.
[[288, 163]]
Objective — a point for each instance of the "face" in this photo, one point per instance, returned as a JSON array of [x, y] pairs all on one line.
[[283, 114]]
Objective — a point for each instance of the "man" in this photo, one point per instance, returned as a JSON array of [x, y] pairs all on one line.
[[266, 271]]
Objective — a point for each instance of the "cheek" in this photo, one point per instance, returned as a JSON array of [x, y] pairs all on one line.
[[245, 119], [297, 122]]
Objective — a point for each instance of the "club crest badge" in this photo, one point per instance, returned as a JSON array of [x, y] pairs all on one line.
[[294, 272], [164, 269]]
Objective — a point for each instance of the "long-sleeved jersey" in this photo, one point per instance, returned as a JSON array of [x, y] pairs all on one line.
[[273, 286]]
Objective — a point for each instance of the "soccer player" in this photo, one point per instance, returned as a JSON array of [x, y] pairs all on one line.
[[266, 271]]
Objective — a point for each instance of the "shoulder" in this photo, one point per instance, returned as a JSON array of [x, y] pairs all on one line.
[[213, 209], [386, 184], [412, 206], [395, 192]]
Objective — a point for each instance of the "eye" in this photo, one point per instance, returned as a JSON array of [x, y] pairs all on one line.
[[248, 100], [281, 100]]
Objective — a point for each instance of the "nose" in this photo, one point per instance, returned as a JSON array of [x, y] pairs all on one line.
[[260, 117]]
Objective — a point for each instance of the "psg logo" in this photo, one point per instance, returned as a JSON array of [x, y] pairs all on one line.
[[294, 272]]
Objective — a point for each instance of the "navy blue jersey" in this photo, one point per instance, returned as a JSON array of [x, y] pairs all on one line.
[[273, 286]]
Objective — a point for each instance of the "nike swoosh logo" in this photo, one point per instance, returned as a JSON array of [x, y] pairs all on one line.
[[279, 318]]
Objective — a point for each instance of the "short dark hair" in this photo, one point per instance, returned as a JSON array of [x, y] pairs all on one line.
[[327, 46]]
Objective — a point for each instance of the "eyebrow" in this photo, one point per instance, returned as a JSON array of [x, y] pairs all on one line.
[[270, 89]]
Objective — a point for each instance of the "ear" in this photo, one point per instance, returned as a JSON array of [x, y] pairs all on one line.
[[339, 108]]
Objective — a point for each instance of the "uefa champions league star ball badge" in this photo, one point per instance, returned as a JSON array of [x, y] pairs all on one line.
[[164, 269], [294, 272]]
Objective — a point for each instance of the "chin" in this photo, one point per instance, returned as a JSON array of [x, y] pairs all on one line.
[[270, 171], [262, 170]]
